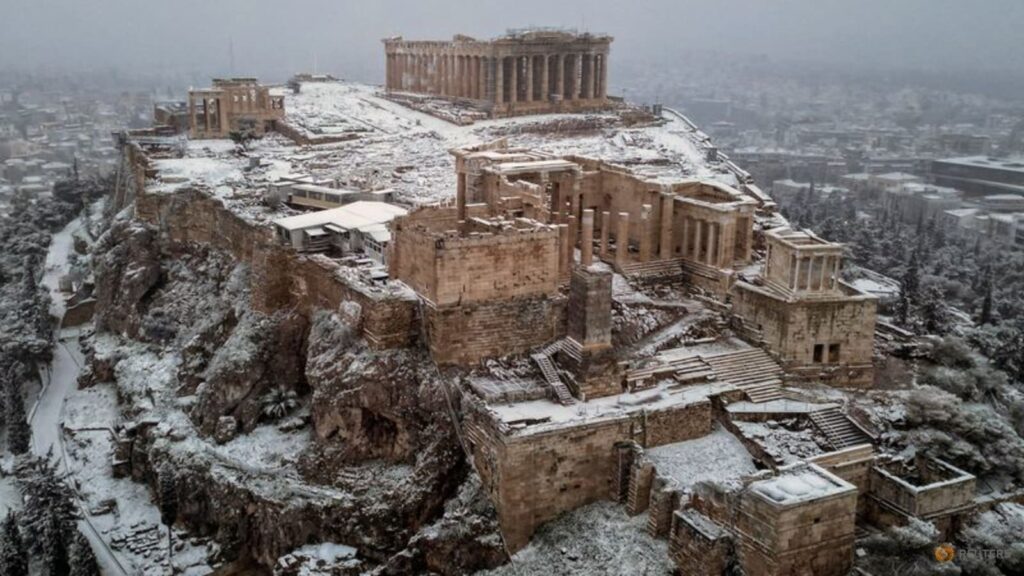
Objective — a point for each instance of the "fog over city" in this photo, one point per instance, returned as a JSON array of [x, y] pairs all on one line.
[[511, 288], [275, 38]]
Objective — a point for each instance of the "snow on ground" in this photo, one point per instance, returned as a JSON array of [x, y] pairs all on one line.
[[599, 539], [718, 457], [787, 445]]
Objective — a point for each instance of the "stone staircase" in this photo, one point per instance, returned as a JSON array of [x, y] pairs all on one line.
[[550, 373], [837, 427], [653, 268], [752, 370]]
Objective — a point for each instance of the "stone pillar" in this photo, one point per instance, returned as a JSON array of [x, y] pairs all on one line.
[[513, 81], [698, 242], [564, 249], [606, 222], [573, 234], [577, 73], [622, 240], [667, 219], [587, 239], [499, 81], [713, 231], [528, 64], [545, 95], [560, 75], [645, 233], [589, 89]]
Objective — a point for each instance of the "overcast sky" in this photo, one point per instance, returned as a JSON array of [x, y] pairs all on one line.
[[272, 38]]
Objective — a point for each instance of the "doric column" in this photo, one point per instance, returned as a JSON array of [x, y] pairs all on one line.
[[665, 237], [606, 223], [645, 232], [544, 88], [564, 249], [588, 88], [560, 75], [499, 80], [574, 229], [685, 241], [698, 243], [710, 258], [513, 81], [587, 239], [577, 72], [622, 240], [528, 65]]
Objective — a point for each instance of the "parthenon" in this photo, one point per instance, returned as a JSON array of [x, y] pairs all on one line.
[[522, 72]]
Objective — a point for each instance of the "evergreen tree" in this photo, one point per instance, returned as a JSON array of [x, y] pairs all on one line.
[[909, 284], [49, 505], [13, 556], [83, 560], [19, 435], [54, 550]]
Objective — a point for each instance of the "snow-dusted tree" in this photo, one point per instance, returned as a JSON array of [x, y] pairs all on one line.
[[19, 434], [278, 402], [906, 550], [83, 560], [49, 510], [13, 556], [909, 285]]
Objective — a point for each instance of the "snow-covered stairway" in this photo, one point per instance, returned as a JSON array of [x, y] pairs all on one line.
[[550, 373], [653, 268], [752, 370], [838, 428]]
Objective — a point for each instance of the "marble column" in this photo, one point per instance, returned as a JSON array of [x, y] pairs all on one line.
[[577, 73], [544, 88], [665, 236], [606, 223], [560, 75], [645, 232], [622, 240], [513, 81], [499, 81]]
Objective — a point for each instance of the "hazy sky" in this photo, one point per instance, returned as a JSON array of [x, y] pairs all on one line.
[[274, 38]]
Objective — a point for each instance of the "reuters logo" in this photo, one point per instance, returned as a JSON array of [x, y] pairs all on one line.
[[945, 553]]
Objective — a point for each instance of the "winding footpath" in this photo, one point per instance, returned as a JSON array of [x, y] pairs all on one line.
[[59, 379]]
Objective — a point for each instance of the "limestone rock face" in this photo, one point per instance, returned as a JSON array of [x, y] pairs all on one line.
[[378, 404], [261, 352], [126, 261]]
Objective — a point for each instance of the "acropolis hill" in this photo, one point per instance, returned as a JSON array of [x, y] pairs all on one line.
[[502, 299]]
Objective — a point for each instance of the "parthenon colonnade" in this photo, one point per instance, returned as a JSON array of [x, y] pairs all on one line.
[[525, 71]]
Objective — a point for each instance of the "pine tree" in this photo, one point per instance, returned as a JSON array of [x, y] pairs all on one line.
[[908, 290], [19, 434], [49, 503], [83, 560], [13, 556], [54, 550]]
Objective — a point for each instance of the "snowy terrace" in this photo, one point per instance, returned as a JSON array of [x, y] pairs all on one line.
[[392, 146]]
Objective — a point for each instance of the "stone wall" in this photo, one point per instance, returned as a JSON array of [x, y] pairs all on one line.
[[466, 334], [791, 329], [281, 279], [534, 477]]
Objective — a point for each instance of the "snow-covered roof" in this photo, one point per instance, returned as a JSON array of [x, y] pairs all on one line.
[[364, 215], [799, 483]]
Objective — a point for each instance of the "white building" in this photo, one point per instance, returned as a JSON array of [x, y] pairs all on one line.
[[359, 226]]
